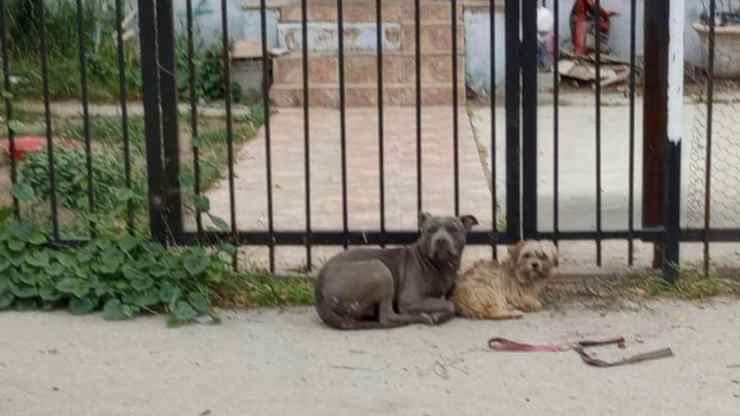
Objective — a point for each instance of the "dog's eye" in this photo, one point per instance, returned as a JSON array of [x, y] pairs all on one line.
[[433, 229], [451, 229], [527, 255]]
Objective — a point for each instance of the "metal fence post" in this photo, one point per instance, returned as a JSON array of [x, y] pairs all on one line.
[[513, 79], [529, 119], [675, 85], [655, 119], [168, 101], [152, 119]]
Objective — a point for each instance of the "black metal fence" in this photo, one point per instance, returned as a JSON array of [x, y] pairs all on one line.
[[157, 30]]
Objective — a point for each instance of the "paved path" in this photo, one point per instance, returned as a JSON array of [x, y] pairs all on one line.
[[284, 363], [577, 175], [363, 174]]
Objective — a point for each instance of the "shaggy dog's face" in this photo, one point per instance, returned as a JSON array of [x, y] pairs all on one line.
[[533, 261]]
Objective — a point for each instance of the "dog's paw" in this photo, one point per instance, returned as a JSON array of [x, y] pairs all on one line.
[[430, 318], [517, 314]]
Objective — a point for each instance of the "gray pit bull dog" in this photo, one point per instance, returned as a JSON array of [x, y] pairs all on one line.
[[386, 288]]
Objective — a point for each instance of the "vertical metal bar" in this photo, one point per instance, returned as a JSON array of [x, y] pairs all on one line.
[[268, 142], [556, 121], [675, 23], [529, 119], [492, 95], [631, 197], [306, 132], [229, 125], [9, 106], [170, 131], [710, 119], [597, 37], [194, 131], [455, 114], [86, 114], [342, 121], [381, 135], [417, 62], [513, 155], [47, 116], [655, 120], [152, 118], [123, 95]]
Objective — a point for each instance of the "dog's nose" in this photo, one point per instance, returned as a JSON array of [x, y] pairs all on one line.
[[536, 265]]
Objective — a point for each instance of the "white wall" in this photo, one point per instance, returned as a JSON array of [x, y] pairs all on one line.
[[243, 24]]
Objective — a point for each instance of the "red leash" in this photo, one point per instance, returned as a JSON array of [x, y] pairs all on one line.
[[503, 344]]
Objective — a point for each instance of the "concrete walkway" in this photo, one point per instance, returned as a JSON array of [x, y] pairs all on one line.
[[285, 363]]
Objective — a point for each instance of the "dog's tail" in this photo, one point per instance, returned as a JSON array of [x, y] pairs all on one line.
[[333, 319]]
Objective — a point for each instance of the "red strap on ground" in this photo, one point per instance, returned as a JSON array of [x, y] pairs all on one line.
[[503, 344]]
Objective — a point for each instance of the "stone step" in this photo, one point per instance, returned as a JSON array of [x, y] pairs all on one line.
[[398, 67], [365, 11], [435, 37], [322, 36], [364, 95]]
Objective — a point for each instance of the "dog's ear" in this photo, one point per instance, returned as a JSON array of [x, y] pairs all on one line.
[[552, 253], [469, 221], [514, 252], [423, 218]]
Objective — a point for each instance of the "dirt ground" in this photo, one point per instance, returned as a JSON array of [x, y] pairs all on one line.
[[277, 362]]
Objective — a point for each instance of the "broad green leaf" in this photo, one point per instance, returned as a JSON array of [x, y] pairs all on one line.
[[66, 285], [64, 259], [23, 291], [128, 243], [199, 301], [4, 283], [219, 223], [113, 310], [201, 203], [82, 306], [16, 245], [142, 284], [20, 230], [77, 287], [50, 294], [30, 279], [5, 213], [84, 256], [37, 238], [131, 273], [40, 259], [228, 248], [6, 300], [124, 194], [183, 312], [54, 269], [196, 264], [15, 126], [24, 192], [147, 299], [4, 264]]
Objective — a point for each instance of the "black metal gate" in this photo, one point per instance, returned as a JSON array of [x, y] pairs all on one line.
[[163, 149], [661, 179]]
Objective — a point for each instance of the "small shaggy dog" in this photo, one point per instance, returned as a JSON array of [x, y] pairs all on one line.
[[490, 290]]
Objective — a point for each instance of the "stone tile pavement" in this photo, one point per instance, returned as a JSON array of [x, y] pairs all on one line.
[[363, 183]]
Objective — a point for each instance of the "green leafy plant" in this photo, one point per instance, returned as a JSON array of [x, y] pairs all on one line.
[[72, 180], [209, 71], [123, 276]]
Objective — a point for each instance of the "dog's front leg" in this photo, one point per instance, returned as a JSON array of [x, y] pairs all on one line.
[[440, 310]]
